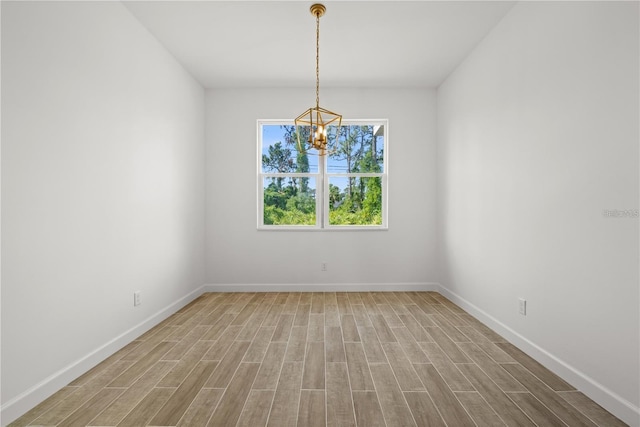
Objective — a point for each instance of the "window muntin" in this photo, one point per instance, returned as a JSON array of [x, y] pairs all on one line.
[[346, 189]]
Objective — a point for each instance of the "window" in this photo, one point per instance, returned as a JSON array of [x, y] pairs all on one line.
[[346, 189]]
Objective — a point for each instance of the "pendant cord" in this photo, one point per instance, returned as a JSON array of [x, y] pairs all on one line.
[[317, 60]]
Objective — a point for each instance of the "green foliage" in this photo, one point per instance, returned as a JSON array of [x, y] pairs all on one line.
[[341, 217], [275, 196], [372, 204], [288, 206], [335, 196], [355, 210], [302, 202], [278, 160], [276, 216]]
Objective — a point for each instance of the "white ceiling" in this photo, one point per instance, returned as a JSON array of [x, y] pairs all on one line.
[[362, 43]]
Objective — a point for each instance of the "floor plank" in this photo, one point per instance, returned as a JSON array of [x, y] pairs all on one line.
[[232, 402], [259, 345], [316, 327], [202, 407], [302, 315], [449, 347], [452, 376], [256, 409], [227, 366], [334, 344], [367, 409], [284, 410], [252, 327], [447, 403], [313, 375], [592, 410], [267, 377], [546, 395], [339, 403], [312, 412], [497, 399], [73, 401], [45, 406], [423, 410], [382, 328], [283, 328], [147, 408], [359, 373], [402, 368], [223, 344], [349, 328], [394, 406], [416, 330], [117, 410], [410, 346], [129, 376], [535, 410], [371, 344], [179, 402], [479, 409], [555, 382], [182, 367], [84, 414], [297, 344], [501, 377]]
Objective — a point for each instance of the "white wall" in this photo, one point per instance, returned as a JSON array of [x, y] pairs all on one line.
[[102, 189], [102, 141], [537, 135], [239, 254]]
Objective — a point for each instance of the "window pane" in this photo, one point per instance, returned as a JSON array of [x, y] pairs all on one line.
[[360, 150], [289, 201], [280, 152], [355, 201]]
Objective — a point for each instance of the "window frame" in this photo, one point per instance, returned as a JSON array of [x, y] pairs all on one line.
[[322, 177]]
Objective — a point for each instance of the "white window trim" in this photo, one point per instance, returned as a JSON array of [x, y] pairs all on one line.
[[322, 182]]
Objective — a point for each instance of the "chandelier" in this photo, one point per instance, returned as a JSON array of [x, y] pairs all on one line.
[[316, 120]]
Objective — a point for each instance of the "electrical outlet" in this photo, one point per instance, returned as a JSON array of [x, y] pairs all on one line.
[[136, 299], [323, 266], [522, 306]]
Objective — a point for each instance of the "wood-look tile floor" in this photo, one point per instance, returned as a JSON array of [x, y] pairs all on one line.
[[319, 359]]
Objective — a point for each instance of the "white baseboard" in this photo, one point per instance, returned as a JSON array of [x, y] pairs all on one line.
[[321, 287], [615, 404], [620, 407], [24, 402]]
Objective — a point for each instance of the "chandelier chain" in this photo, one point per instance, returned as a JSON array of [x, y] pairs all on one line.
[[317, 60]]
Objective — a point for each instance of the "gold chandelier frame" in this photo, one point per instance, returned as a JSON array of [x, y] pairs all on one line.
[[318, 119]]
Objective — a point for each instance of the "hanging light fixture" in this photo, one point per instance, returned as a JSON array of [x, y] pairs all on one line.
[[317, 119]]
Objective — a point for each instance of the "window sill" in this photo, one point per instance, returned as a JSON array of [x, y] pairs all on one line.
[[331, 229]]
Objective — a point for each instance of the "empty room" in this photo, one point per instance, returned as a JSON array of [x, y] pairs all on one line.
[[336, 213]]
